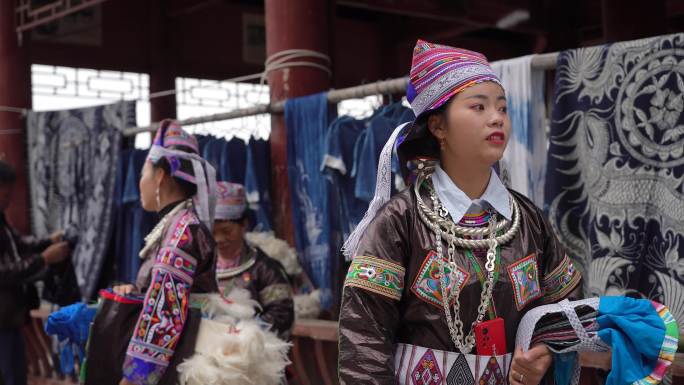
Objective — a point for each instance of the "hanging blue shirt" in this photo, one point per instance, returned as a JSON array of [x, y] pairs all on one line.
[[380, 127], [258, 182], [337, 165], [235, 156]]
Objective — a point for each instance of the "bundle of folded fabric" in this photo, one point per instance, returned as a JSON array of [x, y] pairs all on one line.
[[641, 334], [70, 325]]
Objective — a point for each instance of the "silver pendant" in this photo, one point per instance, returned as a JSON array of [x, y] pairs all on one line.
[[443, 212]]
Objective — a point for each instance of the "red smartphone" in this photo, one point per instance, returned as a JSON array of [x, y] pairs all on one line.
[[490, 337]]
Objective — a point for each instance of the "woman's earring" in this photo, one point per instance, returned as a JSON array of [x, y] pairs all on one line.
[[442, 143], [158, 200]]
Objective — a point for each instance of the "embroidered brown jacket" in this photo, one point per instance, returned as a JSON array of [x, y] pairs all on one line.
[[267, 282], [392, 295]]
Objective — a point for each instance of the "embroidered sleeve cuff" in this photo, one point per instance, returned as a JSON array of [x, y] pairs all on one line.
[[141, 372], [377, 276], [561, 281]]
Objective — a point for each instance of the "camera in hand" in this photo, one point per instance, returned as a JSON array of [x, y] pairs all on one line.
[[60, 284]]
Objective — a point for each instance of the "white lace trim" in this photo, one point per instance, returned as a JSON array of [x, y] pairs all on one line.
[[383, 189]]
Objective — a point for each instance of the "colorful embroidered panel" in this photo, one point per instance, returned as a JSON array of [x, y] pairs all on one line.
[[176, 262], [413, 364], [524, 276], [165, 309], [493, 375], [180, 237], [427, 285], [427, 371], [376, 275], [561, 281]]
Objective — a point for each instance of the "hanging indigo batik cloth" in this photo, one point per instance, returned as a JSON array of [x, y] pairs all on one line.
[[616, 167], [72, 167], [307, 120]]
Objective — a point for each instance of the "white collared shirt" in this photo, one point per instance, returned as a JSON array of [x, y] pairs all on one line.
[[458, 204]]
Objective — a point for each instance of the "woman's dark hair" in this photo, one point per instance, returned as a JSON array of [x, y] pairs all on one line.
[[7, 174], [429, 143], [188, 189], [419, 141]]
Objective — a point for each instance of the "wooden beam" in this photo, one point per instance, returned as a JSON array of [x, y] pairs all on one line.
[[628, 20], [414, 9], [180, 8]]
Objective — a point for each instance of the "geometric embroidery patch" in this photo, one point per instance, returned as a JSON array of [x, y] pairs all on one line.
[[427, 371], [428, 285], [492, 374], [460, 374], [524, 275], [376, 275]]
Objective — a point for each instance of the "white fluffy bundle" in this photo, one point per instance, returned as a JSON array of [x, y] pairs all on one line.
[[239, 305], [234, 348], [277, 249], [307, 305]]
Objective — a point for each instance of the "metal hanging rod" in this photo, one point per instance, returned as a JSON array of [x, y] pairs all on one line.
[[334, 96], [541, 62]]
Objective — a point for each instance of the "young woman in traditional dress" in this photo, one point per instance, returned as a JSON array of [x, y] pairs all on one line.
[[443, 273], [179, 256]]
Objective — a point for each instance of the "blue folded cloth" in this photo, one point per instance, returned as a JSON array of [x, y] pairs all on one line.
[[71, 325]]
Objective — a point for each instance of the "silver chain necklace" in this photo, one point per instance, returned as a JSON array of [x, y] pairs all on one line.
[[446, 230]]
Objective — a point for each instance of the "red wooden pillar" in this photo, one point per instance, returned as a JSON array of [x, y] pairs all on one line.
[[301, 24], [15, 91]]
